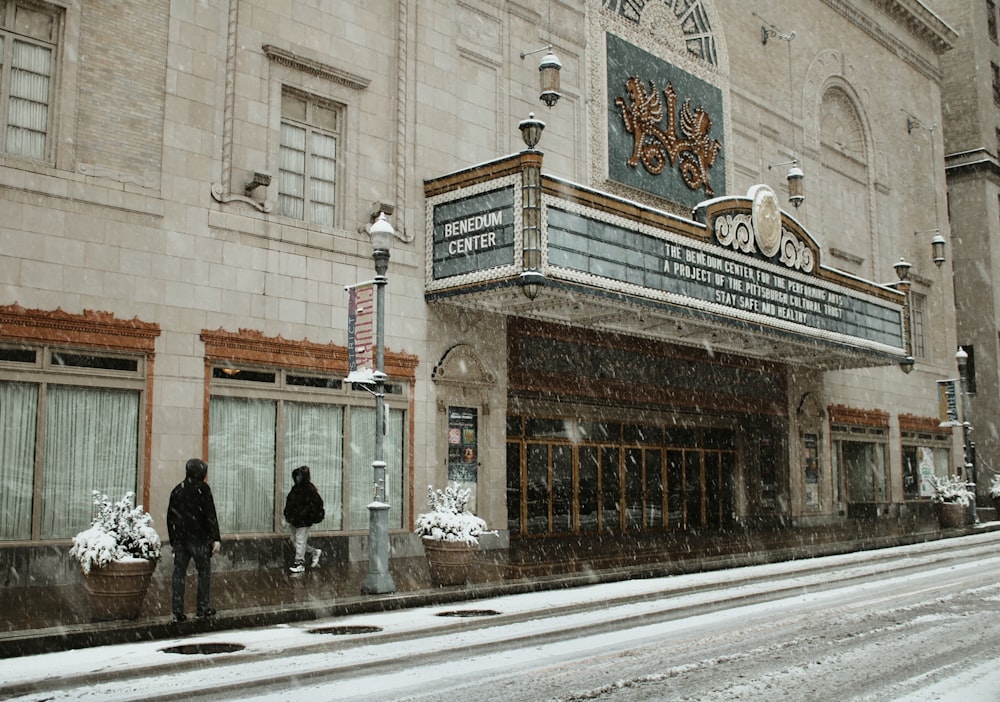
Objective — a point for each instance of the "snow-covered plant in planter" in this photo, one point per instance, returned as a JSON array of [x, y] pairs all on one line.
[[450, 534], [952, 490], [995, 487], [118, 532], [448, 518], [954, 500], [995, 494]]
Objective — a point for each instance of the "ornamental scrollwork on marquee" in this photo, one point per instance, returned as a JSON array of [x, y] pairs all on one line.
[[654, 146], [737, 232]]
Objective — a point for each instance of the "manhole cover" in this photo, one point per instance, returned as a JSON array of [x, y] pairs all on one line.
[[470, 613], [204, 649], [345, 630]]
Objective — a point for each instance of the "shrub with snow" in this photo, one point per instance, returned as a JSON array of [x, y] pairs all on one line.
[[448, 518], [119, 531], [952, 489], [995, 487]]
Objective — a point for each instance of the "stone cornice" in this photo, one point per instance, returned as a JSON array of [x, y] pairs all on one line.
[[973, 162], [253, 347], [912, 422], [916, 17], [841, 414], [91, 328], [316, 68]]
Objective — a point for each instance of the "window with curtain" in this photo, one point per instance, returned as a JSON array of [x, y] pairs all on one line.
[[308, 158], [18, 412], [70, 423], [265, 424], [363, 474], [925, 454], [28, 36], [859, 464]]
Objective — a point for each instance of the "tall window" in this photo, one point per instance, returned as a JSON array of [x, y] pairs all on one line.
[[28, 35], [70, 423], [308, 158], [970, 368], [996, 83], [859, 464], [917, 305], [264, 423], [991, 19], [925, 454]]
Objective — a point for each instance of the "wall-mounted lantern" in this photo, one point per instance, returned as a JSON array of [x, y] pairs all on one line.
[[548, 75], [795, 179], [937, 245]]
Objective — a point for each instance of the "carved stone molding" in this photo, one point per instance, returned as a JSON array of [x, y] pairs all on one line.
[[316, 68], [252, 346], [219, 194], [931, 425], [841, 414], [91, 328], [460, 365]]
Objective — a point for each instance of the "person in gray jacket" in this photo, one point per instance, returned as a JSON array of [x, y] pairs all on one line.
[[303, 508]]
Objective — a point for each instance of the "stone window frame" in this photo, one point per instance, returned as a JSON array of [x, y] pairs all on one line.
[[918, 314], [991, 21], [250, 350], [91, 334], [995, 71], [927, 433], [852, 425], [328, 85], [311, 126], [62, 78]]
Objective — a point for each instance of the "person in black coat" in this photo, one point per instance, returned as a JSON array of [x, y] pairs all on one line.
[[303, 508], [193, 527]]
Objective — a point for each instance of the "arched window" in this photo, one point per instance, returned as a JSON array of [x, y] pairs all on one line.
[[845, 216]]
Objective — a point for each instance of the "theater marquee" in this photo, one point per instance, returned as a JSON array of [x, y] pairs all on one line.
[[741, 273]]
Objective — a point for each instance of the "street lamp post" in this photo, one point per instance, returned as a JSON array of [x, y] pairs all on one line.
[[962, 359], [379, 580]]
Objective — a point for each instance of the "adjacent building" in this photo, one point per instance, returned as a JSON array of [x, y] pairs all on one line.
[[616, 318], [971, 129]]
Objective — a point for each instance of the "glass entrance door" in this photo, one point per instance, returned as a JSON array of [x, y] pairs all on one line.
[[618, 484]]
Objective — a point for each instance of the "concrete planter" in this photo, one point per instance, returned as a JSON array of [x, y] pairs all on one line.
[[952, 515], [117, 590], [449, 561]]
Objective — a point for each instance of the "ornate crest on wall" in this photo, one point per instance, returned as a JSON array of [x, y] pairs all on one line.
[[686, 145]]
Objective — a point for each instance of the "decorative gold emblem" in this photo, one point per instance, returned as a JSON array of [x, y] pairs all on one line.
[[653, 146], [766, 217]]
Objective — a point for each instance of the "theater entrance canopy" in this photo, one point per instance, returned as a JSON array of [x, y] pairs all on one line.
[[741, 276]]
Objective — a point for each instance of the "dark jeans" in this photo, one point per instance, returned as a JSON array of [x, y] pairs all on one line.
[[201, 552]]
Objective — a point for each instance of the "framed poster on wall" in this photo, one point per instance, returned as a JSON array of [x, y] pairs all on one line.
[[810, 460], [463, 444]]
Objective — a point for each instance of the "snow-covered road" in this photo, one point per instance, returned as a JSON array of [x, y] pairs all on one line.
[[879, 625]]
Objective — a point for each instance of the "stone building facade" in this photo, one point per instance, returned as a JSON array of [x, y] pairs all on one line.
[[971, 130], [186, 190]]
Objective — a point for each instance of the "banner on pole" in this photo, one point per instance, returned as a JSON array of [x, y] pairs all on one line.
[[361, 332], [947, 403]]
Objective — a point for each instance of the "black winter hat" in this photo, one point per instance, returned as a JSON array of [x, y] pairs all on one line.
[[196, 469]]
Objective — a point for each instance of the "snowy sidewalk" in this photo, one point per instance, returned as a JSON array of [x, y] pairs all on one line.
[[263, 651], [263, 598]]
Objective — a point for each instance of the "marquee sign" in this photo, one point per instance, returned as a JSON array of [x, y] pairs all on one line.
[[677, 270], [739, 262], [473, 233]]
